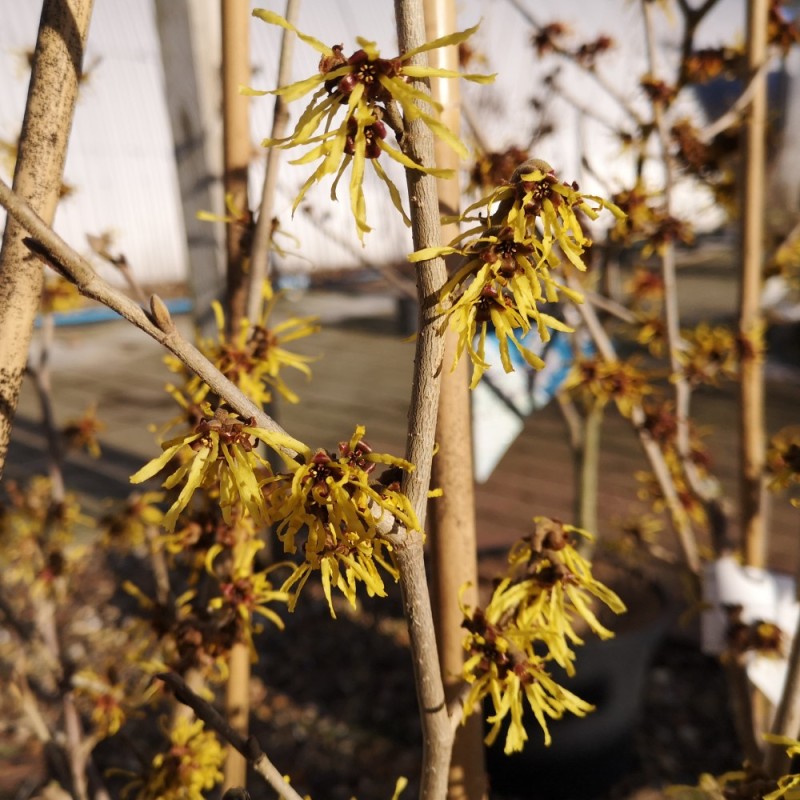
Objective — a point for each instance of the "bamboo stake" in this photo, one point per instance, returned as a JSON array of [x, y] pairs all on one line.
[[236, 135], [237, 148], [53, 91], [753, 494], [453, 539]]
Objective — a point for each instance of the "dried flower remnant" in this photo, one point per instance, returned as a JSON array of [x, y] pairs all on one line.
[[587, 53], [705, 64], [367, 89], [658, 91], [527, 624], [546, 39]]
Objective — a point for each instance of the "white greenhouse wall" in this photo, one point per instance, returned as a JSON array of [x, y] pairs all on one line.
[[121, 152]]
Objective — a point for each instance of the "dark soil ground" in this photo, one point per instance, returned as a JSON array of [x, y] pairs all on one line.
[[334, 706]]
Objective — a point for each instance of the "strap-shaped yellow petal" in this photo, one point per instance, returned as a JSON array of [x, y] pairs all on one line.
[[193, 480], [276, 19], [435, 72], [394, 193], [402, 158], [427, 253], [157, 464], [443, 41]]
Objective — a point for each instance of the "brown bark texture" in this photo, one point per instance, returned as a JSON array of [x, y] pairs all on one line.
[[52, 93]]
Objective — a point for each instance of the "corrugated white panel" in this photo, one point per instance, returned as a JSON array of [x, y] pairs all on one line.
[[120, 157], [121, 153]]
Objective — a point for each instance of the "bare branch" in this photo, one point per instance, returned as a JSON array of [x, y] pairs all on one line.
[[678, 516], [604, 84], [249, 747]]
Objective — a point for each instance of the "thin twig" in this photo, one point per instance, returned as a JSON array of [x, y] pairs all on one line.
[[385, 272], [737, 111], [262, 234], [249, 747], [39, 370], [707, 489], [655, 456], [605, 84]]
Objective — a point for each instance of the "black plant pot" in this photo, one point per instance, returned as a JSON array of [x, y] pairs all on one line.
[[588, 755]]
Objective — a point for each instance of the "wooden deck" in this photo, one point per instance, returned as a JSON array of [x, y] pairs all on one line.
[[363, 376]]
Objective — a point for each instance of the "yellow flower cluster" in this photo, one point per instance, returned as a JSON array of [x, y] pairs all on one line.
[[253, 357], [367, 89], [597, 382], [327, 496], [509, 258], [243, 591], [783, 457], [747, 782], [528, 624], [330, 496], [189, 768], [711, 354], [218, 452]]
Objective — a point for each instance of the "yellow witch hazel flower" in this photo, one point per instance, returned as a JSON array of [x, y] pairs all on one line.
[[367, 90], [508, 259], [221, 448], [331, 498], [187, 770], [243, 591], [529, 623], [254, 357]]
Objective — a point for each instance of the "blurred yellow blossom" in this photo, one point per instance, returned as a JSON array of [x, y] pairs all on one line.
[[187, 770], [254, 356]]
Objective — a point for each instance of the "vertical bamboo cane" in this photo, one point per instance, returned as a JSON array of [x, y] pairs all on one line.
[[453, 539], [53, 91], [236, 136], [236, 127], [753, 495]]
